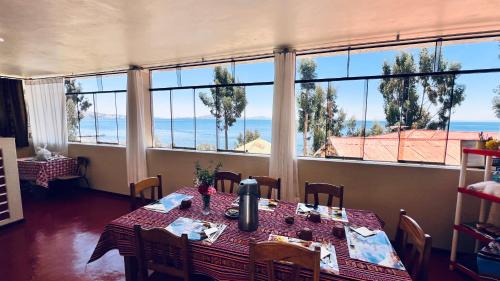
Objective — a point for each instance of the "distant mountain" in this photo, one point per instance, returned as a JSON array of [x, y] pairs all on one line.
[[104, 115], [259, 118], [210, 117]]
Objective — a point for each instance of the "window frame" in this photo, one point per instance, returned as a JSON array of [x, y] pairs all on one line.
[[194, 89], [96, 121], [370, 47], [453, 73]]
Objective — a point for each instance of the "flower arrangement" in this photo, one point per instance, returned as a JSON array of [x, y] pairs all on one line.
[[205, 178], [486, 142], [482, 137], [492, 144]]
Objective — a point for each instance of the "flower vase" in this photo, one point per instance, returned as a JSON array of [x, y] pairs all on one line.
[[206, 205]]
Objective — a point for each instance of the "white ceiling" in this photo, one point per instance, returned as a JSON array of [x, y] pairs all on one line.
[[44, 38]]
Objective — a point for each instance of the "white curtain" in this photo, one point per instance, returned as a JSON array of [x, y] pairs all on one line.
[[47, 113], [137, 91], [283, 161]]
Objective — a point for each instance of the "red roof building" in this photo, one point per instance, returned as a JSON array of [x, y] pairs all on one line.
[[413, 145]]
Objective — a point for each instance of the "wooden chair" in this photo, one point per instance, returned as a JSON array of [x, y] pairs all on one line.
[[221, 177], [325, 188], [271, 184], [141, 187], [168, 248], [81, 173], [270, 251], [413, 247]]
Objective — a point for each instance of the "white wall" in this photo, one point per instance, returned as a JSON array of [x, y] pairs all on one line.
[[428, 193]]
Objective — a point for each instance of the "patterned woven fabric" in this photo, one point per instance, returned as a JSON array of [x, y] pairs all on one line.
[[227, 258], [41, 172]]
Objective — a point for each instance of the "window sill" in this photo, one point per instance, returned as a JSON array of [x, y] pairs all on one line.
[[97, 144], [300, 158], [381, 163], [208, 152]]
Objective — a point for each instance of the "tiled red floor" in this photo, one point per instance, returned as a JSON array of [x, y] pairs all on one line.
[[57, 238], [60, 233]]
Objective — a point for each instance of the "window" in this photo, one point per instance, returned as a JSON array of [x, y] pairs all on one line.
[[162, 122], [474, 114], [345, 112], [225, 117], [370, 61], [206, 126], [381, 136], [327, 65], [389, 110], [255, 137], [473, 54], [96, 109], [311, 123], [183, 134]]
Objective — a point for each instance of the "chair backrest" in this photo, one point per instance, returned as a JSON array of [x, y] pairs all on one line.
[[270, 251], [159, 250], [83, 163], [413, 247], [141, 187], [221, 177], [271, 184], [325, 188]]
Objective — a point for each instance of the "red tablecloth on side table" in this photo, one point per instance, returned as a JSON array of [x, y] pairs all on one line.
[[228, 258], [41, 172]]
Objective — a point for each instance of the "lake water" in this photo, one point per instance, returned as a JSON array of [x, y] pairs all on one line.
[[184, 130]]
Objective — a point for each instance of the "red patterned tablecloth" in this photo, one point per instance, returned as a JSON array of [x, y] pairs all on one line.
[[227, 258], [41, 172]]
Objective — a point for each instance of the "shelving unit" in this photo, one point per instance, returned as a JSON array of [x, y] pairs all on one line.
[[4, 204], [11, 208], [467, 264]]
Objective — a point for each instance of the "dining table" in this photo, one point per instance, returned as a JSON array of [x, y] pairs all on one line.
[[42, 172], [228, 257]]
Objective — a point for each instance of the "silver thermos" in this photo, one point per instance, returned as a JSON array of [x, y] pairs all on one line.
[[249, 205]]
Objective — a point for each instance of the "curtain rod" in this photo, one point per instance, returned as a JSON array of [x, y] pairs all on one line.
[[11, 77], [321, 80], [214, 61], [347, 47], [402, 42], [170, 66]]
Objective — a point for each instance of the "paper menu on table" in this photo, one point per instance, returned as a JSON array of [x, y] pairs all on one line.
[[168, 202], [376, 249], [196, 230], [363, 231], [264, 204], [303, 208], [156, 207], [173, 200], [331, 213], [328, 262]]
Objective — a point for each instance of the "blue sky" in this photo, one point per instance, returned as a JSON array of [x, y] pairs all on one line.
[[476, 107]]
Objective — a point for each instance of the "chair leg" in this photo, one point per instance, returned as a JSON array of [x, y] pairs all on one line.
[[86, 182]]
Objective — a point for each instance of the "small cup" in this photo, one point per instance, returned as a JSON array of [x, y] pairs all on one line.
[[185, 204], [289, 220], [339, 232], [305, 234], [314, 216]]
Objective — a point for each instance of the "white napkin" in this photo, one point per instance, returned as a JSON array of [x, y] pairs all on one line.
[[210, 231], [156, 207], [363, 231], [304, 208], [324, 252]]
